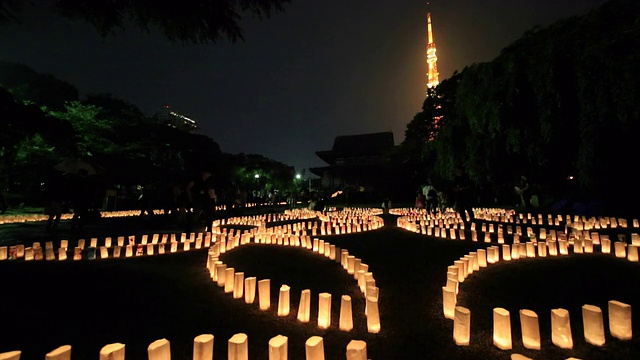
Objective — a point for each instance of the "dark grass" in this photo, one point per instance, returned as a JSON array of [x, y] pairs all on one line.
[[136, 301]]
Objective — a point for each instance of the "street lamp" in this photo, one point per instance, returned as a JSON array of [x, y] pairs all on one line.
[[257, 176], [298, 176]]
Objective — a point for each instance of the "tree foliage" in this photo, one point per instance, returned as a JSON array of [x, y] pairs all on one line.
[[193, 22], [559, 101]]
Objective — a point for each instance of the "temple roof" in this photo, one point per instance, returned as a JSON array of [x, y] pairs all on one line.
[[355, 145]]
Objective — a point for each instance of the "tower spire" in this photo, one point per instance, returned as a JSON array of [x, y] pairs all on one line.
[[432, 66]]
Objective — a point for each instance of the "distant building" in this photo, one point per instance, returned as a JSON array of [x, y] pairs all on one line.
[[175, 119], [354, 161]]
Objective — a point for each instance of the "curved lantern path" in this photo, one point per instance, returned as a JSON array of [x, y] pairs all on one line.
[[139, 300], [551, 274]]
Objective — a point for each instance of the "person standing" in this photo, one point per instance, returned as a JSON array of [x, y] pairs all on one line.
[[462, 191], [524, 190], [55, 194], [201, 193], [431, 196]]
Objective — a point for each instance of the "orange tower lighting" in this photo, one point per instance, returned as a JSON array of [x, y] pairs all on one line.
[[432, 59]]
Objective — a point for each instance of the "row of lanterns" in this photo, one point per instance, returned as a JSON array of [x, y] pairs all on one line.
[[619, 313], [241, 287], [237, 345], [158, 245]]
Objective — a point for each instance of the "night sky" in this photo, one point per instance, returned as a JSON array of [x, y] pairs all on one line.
[[300, 78]]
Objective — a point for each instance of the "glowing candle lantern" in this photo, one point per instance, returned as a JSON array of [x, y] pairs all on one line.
[[361, 280], [28, 254], [159, 350], [77, 254], [351, 264], [113, 351], [344, 261], [552, 245], [203, 347], [238, 347], [563, 247], [561, 329], [278, 348], [482, 258], [373, 315], [61, 353], [462, 326], [314, 348], [605, 245], [506, 252], [468, 262], [229, 279], [515, 252], [11, 355], [284, 302], [238, 286], [578, 246], [346, 314], [632, 254], [324, 310], [542, 249], [174, 246], [593, 325], [519, 357], [452, 284], [531, 249], [620, 320], [356, 267], [530, 329], [522, 250], [264, 294], [332, 252], [357, 350], [104, 253], [81, 243], [474, 261], [502, 329], [62, 254], [621, 249], [448, 302], [460, 265], [321, 247], [249, 290], [304, 307], [4, 252], [220, 271]]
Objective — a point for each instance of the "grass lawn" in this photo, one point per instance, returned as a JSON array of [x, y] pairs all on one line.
[[88, 304]]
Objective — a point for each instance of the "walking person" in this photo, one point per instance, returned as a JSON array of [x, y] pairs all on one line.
[[462, 192], [201, 193], [55, 194]]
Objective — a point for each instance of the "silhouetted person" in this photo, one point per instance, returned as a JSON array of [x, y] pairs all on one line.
[[55, 194], [523, 189], [147, 199], [462, 192], [81, 194], [201, 193]]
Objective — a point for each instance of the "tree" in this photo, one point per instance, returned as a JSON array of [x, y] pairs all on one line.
[[195, 22]]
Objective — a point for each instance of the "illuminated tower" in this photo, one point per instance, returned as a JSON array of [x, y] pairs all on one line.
[[432, 59]]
